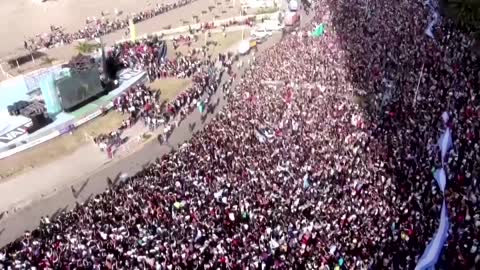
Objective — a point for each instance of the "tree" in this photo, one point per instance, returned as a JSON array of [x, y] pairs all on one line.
[[47, 61], [86, 48]]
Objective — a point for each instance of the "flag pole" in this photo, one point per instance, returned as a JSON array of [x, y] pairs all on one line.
[[418, 85]]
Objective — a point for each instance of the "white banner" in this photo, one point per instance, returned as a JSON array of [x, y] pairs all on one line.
[[441, 178], [433, 249], [445, 143]]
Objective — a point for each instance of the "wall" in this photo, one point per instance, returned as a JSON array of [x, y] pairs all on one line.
[[12, 90], [49, 93]]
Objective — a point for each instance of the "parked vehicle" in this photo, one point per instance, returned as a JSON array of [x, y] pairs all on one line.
[[261, 33]]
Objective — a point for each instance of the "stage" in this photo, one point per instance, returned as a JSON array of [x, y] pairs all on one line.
[[13, 128]]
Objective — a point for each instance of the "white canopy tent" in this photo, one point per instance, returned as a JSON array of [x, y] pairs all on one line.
[[244, 47]]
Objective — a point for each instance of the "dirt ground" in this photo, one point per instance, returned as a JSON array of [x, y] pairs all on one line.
[[60, 146], [198, 11], [30, 17], [170, 88]]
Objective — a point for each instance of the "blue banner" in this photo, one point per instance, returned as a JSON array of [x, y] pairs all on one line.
[[434, 248]]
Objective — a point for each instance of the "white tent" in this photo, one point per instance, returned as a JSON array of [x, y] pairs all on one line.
[[293, 5], [244, 47]]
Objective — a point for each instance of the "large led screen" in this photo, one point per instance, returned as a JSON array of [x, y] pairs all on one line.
[[79, 88]]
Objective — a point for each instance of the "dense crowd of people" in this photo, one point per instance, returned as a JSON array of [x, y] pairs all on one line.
[[136, 100], [321, 159], [104, 141], [97, 27], [141, 102], [150, 55]]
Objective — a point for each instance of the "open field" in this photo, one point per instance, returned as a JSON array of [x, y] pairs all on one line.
[[170, 88], [30, 17]]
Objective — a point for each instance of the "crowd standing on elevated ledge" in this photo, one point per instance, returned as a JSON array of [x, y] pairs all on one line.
[[324, 171]]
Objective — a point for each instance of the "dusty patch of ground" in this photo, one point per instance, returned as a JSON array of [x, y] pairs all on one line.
[[58, 147], [170, 88]]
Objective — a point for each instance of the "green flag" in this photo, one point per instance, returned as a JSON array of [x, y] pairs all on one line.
[[319, 30], [201, 106]]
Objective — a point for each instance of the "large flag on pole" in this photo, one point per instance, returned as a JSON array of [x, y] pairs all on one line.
[[103, 50], [133, 30], [319, 30], [104, 57]]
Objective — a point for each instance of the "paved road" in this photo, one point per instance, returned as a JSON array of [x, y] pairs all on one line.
[[15, 222]]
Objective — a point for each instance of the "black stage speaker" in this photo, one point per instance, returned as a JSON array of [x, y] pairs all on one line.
[[38, 122]]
